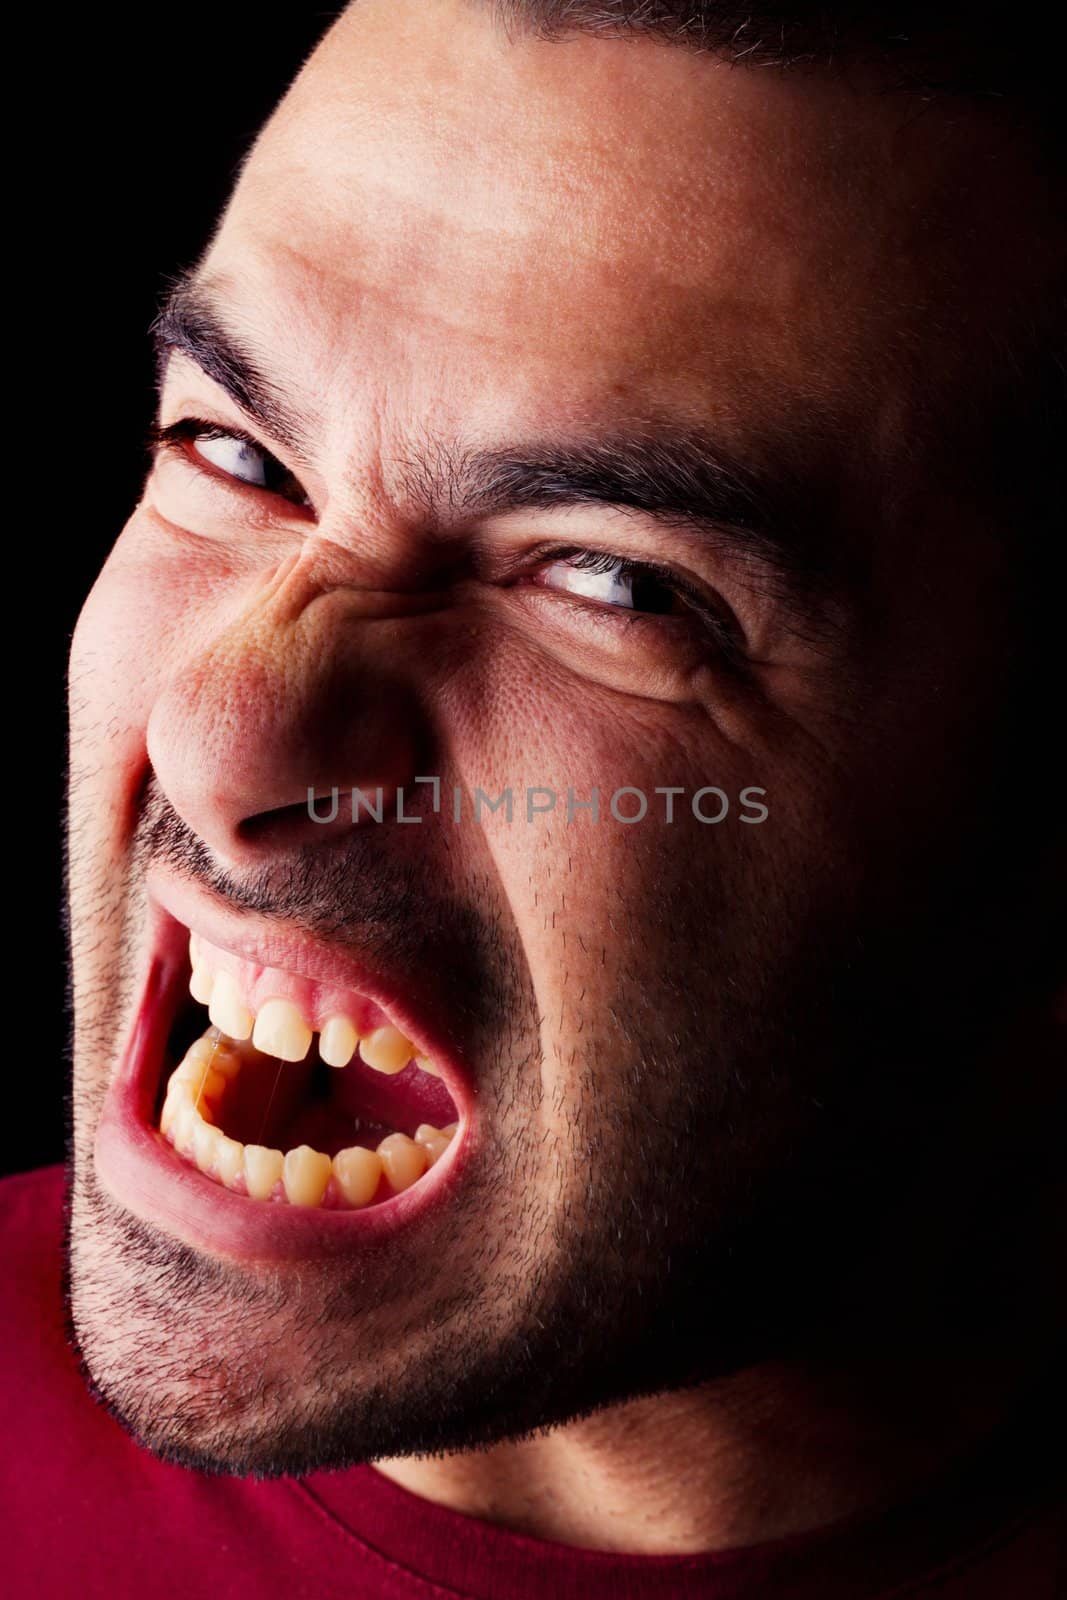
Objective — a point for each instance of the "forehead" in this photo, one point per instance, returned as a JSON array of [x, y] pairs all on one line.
[[444, 219]]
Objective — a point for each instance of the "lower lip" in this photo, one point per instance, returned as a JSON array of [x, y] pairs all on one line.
[[139, 1169]]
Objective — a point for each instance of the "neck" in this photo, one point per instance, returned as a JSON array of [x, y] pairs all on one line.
[[965, 1310], [787, 1447], [770, 1452]]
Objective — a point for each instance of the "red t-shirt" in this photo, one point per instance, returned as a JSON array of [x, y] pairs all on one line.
[[90, 1513]]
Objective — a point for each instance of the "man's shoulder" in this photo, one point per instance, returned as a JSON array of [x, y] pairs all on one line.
[[31, 1242], [36, 1351], [30, 1203]]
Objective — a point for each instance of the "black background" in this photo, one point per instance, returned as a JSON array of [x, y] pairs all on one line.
[[139, 119]]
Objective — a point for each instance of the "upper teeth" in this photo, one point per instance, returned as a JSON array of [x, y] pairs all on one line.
[[337, 1041], [224, 1004], [386, 1050], [279, 1028]]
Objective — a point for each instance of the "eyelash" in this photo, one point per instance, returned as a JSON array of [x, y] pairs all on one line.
[[719, 622], [188, 430]]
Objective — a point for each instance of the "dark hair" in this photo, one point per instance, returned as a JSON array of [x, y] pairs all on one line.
[[978, 49]]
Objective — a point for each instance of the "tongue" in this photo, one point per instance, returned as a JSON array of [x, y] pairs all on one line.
[[321, 1126], [284, 1104], [408, 1097]]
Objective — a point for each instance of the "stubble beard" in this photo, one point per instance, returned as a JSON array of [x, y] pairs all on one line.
[[701, 1203]]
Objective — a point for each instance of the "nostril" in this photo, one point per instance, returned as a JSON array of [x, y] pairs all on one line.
[[295, 824]]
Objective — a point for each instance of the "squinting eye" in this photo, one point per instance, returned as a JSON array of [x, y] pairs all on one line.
[[236, 455], [244, 459], [614, 581]]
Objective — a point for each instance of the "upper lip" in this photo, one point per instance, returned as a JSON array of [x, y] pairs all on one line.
[[270, 943]]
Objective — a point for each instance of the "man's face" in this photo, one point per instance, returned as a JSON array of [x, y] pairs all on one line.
[[509, 304]]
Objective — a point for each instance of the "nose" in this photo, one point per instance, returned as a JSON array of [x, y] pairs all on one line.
[[301, 695]]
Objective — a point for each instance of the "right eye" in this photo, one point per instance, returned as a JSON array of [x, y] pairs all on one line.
[[234, 454]]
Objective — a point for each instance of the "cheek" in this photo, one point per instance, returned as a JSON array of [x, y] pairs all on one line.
[[585, 893], [629, 930], [111, 688], [131, 627]]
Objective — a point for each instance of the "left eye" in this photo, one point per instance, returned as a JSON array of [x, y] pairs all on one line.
[[614, 581], [236, 455]]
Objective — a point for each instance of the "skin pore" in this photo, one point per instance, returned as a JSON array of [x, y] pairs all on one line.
[[727, 1206]]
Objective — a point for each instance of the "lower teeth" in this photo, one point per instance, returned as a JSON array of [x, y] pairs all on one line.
[[353, 1178]]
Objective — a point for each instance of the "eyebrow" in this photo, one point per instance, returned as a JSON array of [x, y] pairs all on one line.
[[192, 322], [676, 475]]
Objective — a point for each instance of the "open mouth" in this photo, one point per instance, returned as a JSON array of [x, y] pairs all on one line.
[[300, 1098], [277, 1097]]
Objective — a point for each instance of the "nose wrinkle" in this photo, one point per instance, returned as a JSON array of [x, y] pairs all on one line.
[[286, 569], [301, 585], [290, 697]]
